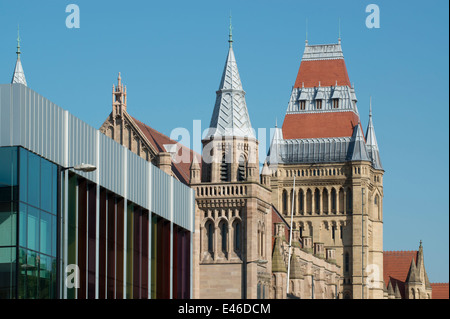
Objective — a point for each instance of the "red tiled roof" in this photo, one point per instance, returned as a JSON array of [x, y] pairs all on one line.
[[319, 125], [325, 71], [157, 139], [440, 290], [396, 266]]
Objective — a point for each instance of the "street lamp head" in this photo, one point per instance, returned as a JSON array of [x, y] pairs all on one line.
[[85, 168]]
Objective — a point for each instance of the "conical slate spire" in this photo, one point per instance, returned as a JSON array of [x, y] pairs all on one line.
[[371, 142], [274, 154], [19, 75], [357, 150], [230, 116]]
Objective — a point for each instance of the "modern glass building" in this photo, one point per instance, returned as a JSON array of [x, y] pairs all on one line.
[[121, 231]]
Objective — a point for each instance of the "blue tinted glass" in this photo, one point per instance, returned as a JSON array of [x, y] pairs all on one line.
[[47, 274], [55, 189], [46, 185], [54, 234], [8, 224], [8, 272], [46, 234], [34, 168], [23, 225], [22, 273], [32, 273], [33, 228], [23, 173], [8, 173]]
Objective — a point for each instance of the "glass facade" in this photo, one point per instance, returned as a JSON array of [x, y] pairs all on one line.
[[28, 225]]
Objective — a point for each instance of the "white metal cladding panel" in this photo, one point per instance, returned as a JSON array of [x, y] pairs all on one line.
[[160, 193], [5, 115], [82, 145], [137, 179], [182, 202], [111, 165], [32, 121]]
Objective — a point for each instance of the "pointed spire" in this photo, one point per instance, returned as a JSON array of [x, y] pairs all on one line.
[[278, 264], [390, 289], [274, 154], [357, 148], [371, 141], [18, 75], [230, 116], [413, 275]]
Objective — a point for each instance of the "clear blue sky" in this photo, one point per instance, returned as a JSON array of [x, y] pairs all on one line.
[[171, 55]]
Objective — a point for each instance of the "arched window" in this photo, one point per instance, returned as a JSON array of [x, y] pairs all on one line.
[[347, 262], [224, 176], [309, 201], [301, 202], [223, 235], [210, 235], [333, 200], [317, 200], [285, 201], [237, 236], [349, 201], [242, 168]]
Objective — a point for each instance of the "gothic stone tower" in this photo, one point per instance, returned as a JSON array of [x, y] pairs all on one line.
[[232, 239], [339, 177]]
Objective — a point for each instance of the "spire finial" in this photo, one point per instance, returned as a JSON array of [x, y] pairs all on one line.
[[276, 122], [370, 107], [339, 39], [230, 35], [18, 41], [306, 28], [420, 243]]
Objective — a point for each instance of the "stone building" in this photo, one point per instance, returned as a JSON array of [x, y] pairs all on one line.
[[405, 276], [338, 198]]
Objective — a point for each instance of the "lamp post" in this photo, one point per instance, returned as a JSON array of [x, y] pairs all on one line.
[[86, 168]]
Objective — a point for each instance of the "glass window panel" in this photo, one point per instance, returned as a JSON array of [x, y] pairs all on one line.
[[54, 189], [46, 233], [32, 269], [23, 225], [23, 173], [46, 185], [8, 224], [34, 169], [45, 277], [8, 173], [54, 235], [33, 229], [7, 272], [22, 273]]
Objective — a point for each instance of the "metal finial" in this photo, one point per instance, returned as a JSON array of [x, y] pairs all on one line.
[[230, 36], [276, 122], [306, 28], [370, 107], [18, 41], [339, 39], [420, 243]]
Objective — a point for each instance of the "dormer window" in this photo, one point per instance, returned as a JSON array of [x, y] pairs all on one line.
[[319, 98], [319, 104], [302, 104], [335, 98], [335, 103]]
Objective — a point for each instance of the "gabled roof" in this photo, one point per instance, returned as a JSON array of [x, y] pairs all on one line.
[[158, 140], [396, 265], [230, 116]]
